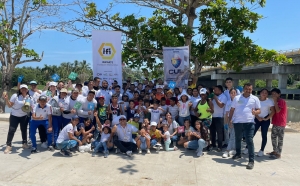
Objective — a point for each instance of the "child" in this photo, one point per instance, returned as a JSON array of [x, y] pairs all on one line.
[[167, 139], [41, 115], [164, 107], [188, 129], [85, 131], [102, 109], [143, 141], [135, 123], [104, 141], [114, 108], [125, 101], [147, 104], [140, 109], [155, 135], [184, 106], [130, 111], [231, 142], [155, 112], [173, 108]]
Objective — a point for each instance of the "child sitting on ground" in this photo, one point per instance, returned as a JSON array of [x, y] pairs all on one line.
[[167, 139], [155, 135], [143, 141], [104, 142]]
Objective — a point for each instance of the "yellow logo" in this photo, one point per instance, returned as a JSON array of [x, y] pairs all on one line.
[[107, 51]]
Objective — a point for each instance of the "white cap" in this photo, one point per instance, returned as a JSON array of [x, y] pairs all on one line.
[[153, 123], [122, 116], [52, 83], [23, 86], [159, 86], [203, 91]]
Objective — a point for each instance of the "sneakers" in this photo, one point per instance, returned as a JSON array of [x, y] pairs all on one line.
[[51, 148], [275, 156], [34, 150], [226, 154], [129, 153], [81, 148], [271, 153], [219, 150], [175, 148], [140, 151], [93, 154], [7, 150], [260, 153], [25, 146], [250, 165], [232, 152], [117, 150], [200, 153], [148, 151], [65, 153], [44, 145], [236, 156], [29, 142], [105, 154], [245, 151]]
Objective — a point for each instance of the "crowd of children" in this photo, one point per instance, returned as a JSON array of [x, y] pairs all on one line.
[[138, 116]]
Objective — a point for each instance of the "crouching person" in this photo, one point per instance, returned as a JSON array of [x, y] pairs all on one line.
[[143, 141], [66, 139], [124, 132], [41, 115]]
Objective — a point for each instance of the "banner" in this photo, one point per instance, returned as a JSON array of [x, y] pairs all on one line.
[[176, 66], [107, 59]]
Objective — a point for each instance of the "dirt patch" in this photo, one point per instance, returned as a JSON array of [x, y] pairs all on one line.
[[294, 125]]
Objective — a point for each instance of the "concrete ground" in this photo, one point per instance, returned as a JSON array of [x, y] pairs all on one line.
[[165, 168]]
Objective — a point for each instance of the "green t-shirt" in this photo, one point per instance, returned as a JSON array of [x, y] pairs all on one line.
[[102, 112]]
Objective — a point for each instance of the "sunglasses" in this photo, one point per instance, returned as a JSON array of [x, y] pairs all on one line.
[[122, 119]]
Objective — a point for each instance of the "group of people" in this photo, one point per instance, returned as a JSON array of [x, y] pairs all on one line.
[[137, 116]]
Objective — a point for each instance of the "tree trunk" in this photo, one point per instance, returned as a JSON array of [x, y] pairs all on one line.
[[7, 72]]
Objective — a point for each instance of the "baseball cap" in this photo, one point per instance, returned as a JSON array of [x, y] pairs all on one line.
[[44, 98], [136, 115], [75, 117], [159, 86], [23, 86], [153, 123], [75, 90], [52, 83], [101, 97], [33, 82], [64, 90], [122, 116], [203, 91]]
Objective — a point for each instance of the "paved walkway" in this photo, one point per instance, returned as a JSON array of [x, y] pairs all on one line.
[[165, 168]]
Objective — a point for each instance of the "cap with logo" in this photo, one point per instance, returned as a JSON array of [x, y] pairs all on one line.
[[203, 91]]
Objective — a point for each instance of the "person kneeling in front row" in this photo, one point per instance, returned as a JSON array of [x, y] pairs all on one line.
[[66, 139]]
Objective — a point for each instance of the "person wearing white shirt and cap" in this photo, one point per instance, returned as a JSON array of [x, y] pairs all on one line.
[[21, 104], [124, 132], [88, 106]]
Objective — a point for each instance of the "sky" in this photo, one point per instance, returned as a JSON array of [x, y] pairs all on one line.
[[279, 30]]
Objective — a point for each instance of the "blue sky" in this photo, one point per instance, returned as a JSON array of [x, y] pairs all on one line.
[[279, 30]]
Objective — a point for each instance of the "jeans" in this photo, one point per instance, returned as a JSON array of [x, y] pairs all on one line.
[[41, 129], [264, 127], [199, 144], [34, 124], [65, 122], [125, 146], [56, 126], [181, 120], [153, 142], [217, 127], [13, 125], [248, 129], [231, 141], [100, 145], [66, 145]]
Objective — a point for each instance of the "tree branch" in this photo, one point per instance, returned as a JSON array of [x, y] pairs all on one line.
[[31, 60]]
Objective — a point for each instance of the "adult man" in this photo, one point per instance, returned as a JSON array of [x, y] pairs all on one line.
[[217, 124], [131, 91], [90, 87], [242, 113], [229, 85], [124, 132], [68, 107], [104, 91], [88, 106], [192, 82], [66, 139], [97, 83], [118, 92]]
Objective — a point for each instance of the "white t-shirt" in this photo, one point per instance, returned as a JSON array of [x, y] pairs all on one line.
[[228, 106], [184, 109], [104, 137], [19, 102], [44, 112], [172, 126], [64, 133], [194, 100], [167, 136], [227, 94], [174, 110], [125, 134], [265, 107], [218, 111], [86, 107], [155, 115], [69, 105], [243, 108]]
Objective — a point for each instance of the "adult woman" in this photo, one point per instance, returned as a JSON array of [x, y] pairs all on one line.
[[17, 116], [51, 92], [262, 120], [198, 139], [172, 126], [188, 129], [204, 108]]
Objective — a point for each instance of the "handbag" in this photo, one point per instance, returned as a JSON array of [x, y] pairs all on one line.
[[180, 129]]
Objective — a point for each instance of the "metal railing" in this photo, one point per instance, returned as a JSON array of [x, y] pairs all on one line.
[[291, 52]]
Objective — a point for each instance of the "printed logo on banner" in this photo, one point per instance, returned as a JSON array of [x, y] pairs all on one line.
[[176, 60], [107, 51]]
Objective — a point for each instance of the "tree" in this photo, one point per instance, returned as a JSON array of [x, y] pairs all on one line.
[[19, 20], [217, 36]]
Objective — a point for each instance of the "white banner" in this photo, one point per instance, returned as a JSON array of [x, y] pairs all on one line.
[[107, 59], [176, 65]]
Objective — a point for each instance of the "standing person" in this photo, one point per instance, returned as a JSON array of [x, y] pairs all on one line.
[[205, 108], [173, 109], [68, 108], [155, 111], [124, 132], [114, 109], [90, 87], [195, 98], [229, 86], [262, 120], [242, 113], [88, 106], [104, 91], [66, 139], [279, 124], [97, 83], [41, 115], [18, 116], [217, 124], [184, 105]]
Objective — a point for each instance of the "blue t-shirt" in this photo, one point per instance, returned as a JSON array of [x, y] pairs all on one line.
[[130, 113]]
